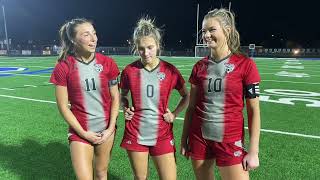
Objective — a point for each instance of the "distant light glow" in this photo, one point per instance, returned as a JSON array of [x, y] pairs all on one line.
[[296, 51]]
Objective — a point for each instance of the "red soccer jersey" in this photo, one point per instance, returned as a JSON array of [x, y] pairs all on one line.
[[88, 89], [218, 112], [150, 91]]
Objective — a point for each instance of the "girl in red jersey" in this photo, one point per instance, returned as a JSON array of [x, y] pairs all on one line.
[[88, 81], [214, 125], [150, 81]]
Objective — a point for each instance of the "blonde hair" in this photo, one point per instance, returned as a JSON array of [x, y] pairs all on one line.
[[227, 20], [145, 27], [67, 34]]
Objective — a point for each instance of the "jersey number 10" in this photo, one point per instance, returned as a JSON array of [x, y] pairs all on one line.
[[214, 86]]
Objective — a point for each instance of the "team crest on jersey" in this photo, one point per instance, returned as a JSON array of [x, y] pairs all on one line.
[[161, 76], [237, 153], [98, 67], [229, 67], [172, 142]]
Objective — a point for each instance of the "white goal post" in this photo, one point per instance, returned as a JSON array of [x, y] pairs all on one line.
[[201, 50]]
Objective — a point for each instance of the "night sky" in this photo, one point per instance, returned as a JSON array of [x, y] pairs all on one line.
[[271, 23]]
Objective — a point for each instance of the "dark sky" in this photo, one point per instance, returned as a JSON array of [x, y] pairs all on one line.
[[291, 22]]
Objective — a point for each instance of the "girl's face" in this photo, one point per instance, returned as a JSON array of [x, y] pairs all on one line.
[[147, 48], [85, 40], [212, 33]]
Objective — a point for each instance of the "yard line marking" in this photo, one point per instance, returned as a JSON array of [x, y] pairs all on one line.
[[179, 118], [27, 75], [277, 81], [184, 66], [276, 72], [291, 96], [280, 65], [27, 85], [28, 99], [40, 66], [289, 133], [259, 73], [26, 65], [281, 69], [289, 82], [278, 132], [32, 58], [20, 63], [181, 57], [32, 75], [9, 89], [185, 69]]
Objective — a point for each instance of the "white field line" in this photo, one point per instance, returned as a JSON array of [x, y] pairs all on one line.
[[41, 66], [32, 58], [181, 57], [186, 65], [19, 62], [280, 65], [9, 89], [27, 75], [27, 85], [288, 69], [29, 66], [279, 132], [292, 96], [274, 73], [179, 118], [28, 99], [262, 58], [294, 82], [32, 75]]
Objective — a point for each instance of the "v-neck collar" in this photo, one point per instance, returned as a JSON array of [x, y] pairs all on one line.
[[86, 63], [218, 62], [150, 71]]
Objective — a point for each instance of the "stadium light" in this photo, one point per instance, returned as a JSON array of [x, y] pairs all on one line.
[[5, 25], [296, 51]]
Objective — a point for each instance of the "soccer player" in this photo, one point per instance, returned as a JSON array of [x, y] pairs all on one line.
[[214, 125], [88, 81], [148, 128]]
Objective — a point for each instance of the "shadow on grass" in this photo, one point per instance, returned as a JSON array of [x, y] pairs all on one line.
[[32, 160]]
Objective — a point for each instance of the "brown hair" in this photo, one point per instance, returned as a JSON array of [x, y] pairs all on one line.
[[67, 34]]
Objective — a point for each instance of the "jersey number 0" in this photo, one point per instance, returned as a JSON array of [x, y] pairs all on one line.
[[150, 90]]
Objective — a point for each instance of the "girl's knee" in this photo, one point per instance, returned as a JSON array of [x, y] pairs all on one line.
[[140, 177], [101, 174]]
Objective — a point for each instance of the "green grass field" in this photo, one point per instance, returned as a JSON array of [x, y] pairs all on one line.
[[33, 136]]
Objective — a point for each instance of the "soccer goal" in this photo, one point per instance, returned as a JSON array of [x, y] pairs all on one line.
[[201, 50]]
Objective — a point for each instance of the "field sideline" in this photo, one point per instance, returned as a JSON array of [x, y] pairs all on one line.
[[33, 141]]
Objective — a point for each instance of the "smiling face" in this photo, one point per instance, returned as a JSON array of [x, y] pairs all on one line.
[[147, 48], [213, 34], [85, 39]]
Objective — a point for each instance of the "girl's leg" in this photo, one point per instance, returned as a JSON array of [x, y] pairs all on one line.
[[234, 172], [82, 157], [166, 166], [102, 157], [139, 164], [203, 169]]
